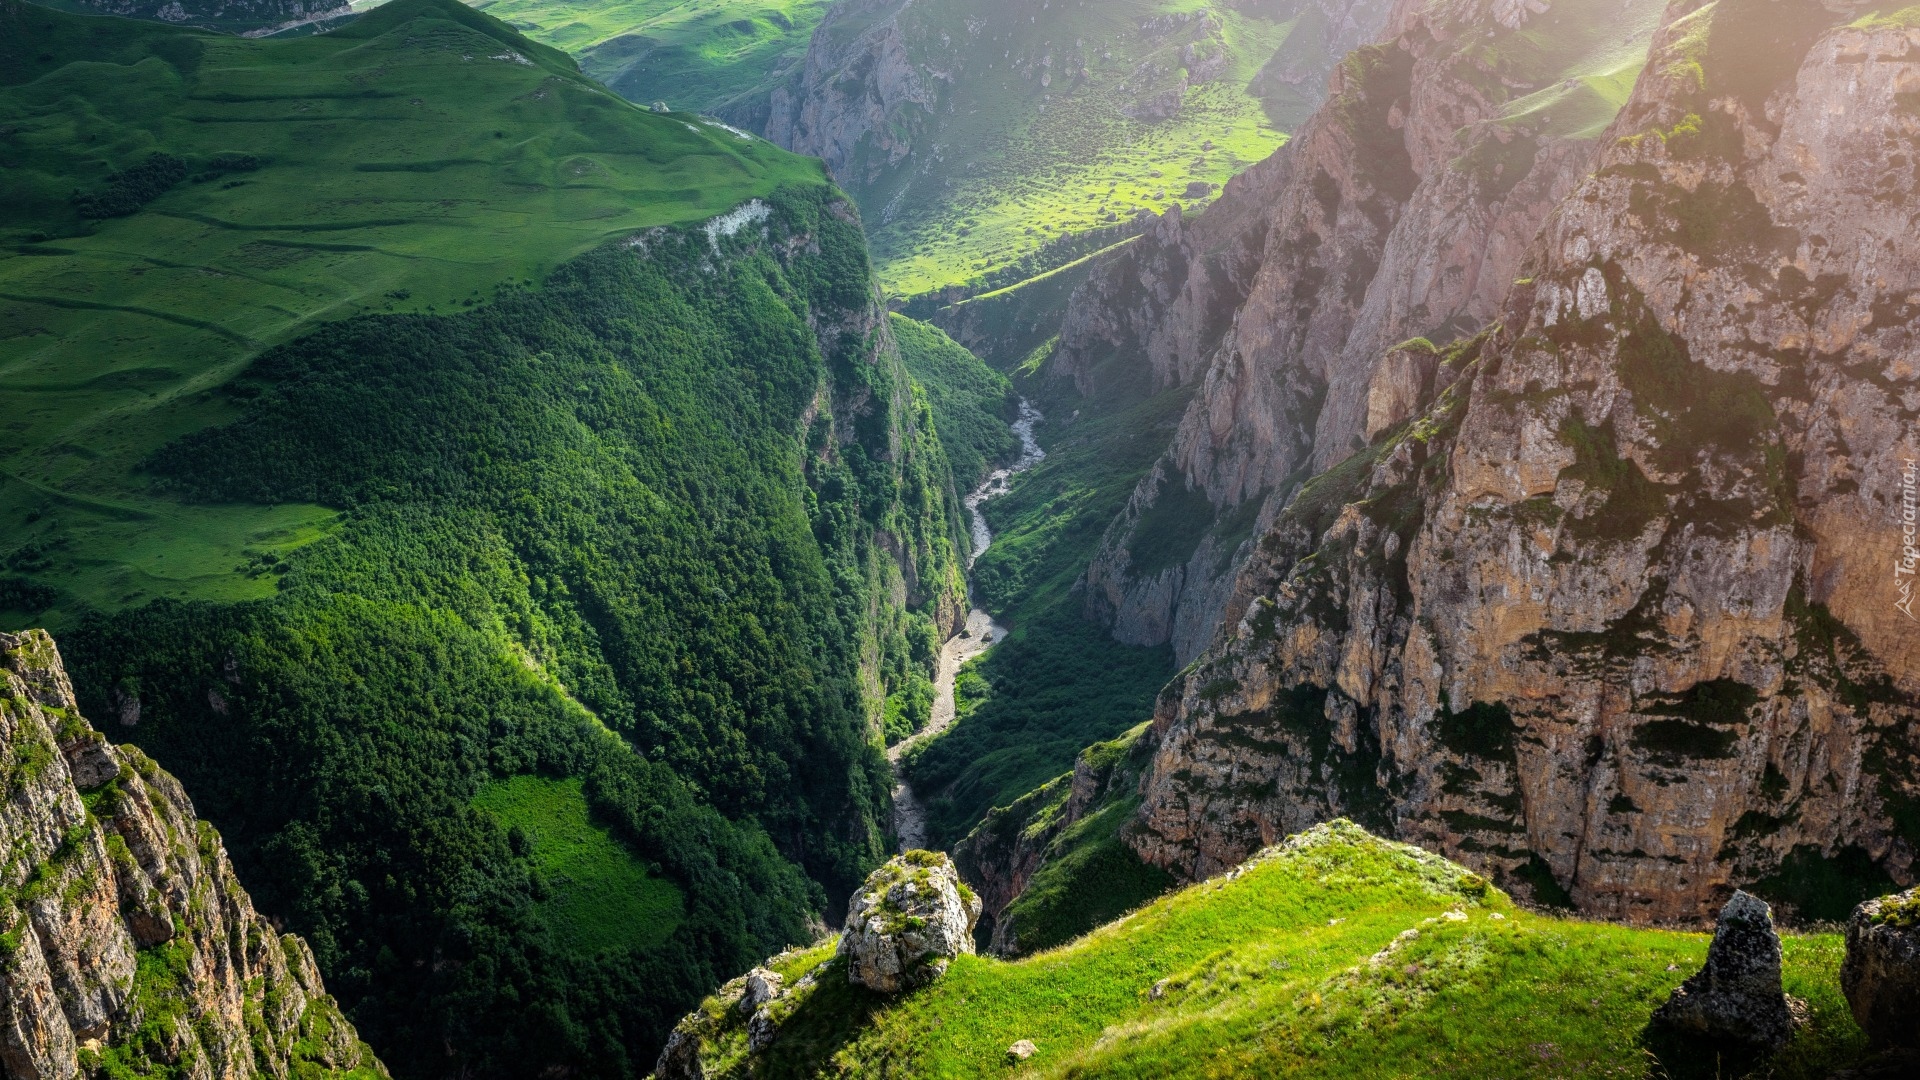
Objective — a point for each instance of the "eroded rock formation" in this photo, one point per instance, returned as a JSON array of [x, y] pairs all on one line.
[[907, 923], [127, 941], [1881, 975], [1735, 1002]]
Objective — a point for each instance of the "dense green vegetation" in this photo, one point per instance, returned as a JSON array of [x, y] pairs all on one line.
[[972, 403], [408, 163], [476, 544], [567, 511], [1338, 955]]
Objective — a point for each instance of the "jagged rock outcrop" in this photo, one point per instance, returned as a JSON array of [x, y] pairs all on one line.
[[1735, 1002], [1881, 975], [127, 940], [736, 1023], [1402, 208], [904, 926], [907, 923], [1618, 617]]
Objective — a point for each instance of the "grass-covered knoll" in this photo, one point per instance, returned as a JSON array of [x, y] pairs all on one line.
[[599, 897], [700, 56], [652, 526], [971, 402], [1333, 955], [1056, 683], [418, 160]]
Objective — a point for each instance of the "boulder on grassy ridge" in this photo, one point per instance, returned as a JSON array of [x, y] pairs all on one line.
[[1881, 975], [908, 922], [1735, 1003]]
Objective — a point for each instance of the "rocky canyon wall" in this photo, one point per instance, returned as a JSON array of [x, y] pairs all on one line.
[[128, 943], [1612, 599], [1402, 208]]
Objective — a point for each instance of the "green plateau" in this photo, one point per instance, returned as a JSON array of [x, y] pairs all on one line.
[[417, 161], [1038, 125], [712, 56]]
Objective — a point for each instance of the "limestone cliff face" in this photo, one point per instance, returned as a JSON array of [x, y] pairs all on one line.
[[1402, 208], [1622, 613], [128, 942]]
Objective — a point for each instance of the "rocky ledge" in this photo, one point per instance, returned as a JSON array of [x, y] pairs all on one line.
[[127, 946]]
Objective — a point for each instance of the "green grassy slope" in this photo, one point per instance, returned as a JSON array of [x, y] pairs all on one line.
[[971, 402], [1028, 147], [416, 161], [1336, 955], [701, 56]]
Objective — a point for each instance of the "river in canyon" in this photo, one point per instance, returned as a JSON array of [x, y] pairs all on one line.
[[976, 636]]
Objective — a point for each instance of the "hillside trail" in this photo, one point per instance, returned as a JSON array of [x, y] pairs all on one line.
[[976, 636]]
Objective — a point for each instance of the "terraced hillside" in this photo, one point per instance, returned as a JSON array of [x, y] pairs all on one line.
[[504, 508]]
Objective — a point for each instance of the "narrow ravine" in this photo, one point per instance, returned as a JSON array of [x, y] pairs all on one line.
[[976, 636]]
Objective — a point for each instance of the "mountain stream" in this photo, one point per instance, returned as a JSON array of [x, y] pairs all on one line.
[[975, 637]]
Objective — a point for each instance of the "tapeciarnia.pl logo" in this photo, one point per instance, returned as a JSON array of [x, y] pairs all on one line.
[[1908, 564]]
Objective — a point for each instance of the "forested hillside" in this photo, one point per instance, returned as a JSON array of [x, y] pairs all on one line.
[[501, 507]]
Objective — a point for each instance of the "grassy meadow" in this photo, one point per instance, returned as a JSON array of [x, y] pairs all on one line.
[[1335, 955], [599, 897], [697, 55]]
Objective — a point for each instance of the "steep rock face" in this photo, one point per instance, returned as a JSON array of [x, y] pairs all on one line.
[[859, 100], [128, 941], [1619, 618], [1402, 208]]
